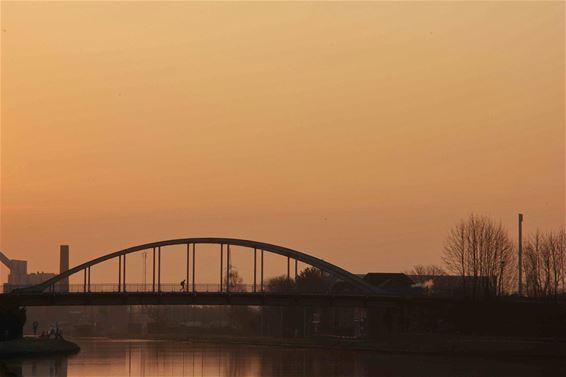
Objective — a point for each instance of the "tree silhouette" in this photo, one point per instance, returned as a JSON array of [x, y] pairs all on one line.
[[234, 281], [481, 252], [544, 263], [429, 270], [312, 279], [280, 284]]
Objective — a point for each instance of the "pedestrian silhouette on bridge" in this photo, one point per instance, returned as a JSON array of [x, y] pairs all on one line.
[[183, 286]]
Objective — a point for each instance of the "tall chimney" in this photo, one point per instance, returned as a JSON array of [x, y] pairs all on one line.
[[520, 256], [64, 266]]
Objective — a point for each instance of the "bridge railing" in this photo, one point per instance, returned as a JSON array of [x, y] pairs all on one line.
[[164, 287], [137, 287]]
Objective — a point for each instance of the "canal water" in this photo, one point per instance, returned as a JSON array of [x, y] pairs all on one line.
[[119, 358]]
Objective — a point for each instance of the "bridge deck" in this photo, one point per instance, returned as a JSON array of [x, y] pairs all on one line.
[[197, 298]]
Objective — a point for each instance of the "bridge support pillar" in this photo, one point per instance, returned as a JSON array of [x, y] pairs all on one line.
[[119, 273], [12, 321], [261, 274], [194, 249], [159, 269], [188, 267], [221, 267], [228, 268], [255, 269], [153, 273], [124, 274]]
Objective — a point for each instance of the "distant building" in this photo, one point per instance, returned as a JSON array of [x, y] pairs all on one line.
[[19, 276], [454, 286], [38, 277], [392, 282]]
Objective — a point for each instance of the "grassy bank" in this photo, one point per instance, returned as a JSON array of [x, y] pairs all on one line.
[[36, 347]]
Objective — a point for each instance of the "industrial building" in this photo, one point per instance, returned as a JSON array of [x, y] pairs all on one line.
[[18, 271]]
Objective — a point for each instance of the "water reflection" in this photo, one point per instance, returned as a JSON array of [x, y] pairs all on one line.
[[162, 358], [55, 366]]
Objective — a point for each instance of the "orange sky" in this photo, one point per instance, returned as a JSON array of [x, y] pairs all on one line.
[[358, 132]]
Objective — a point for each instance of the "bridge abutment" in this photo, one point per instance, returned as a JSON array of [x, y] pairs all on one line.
[[12, 320]]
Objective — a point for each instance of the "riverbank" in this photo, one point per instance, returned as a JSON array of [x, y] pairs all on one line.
[[423, 344], [27, 347]]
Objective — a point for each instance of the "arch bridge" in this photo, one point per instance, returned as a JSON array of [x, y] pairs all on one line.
[[55, 291]]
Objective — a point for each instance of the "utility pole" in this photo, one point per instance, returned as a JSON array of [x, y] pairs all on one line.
[[520, 250]]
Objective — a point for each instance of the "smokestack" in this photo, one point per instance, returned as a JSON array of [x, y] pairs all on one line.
[[64, 266], [520, 251]]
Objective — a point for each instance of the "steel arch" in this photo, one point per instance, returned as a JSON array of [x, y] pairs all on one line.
[[275, 249]]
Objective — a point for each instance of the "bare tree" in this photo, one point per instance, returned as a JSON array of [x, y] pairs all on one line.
[[533, 265], [481, 252], [557, 244], [428, 270], [545, 263], [234, 281]]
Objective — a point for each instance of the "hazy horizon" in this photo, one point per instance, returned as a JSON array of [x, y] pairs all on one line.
[[357, 132]]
